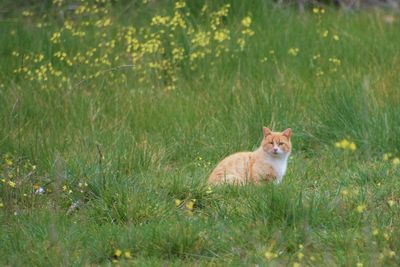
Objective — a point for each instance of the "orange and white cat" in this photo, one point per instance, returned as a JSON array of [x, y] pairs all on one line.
[[267, 163]]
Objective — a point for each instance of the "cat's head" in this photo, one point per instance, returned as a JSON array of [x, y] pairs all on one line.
[[277, 144]]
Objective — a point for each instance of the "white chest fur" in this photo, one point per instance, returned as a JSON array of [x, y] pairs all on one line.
[[279, 164]]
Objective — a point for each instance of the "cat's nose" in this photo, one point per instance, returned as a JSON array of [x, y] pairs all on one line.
[[275, 149]]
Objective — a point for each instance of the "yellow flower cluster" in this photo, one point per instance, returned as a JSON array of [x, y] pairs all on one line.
[[246, 22], [18, 189], [269, 255], [201, 39], [217, 16], [200, 162], [317, 10], [346, 145], [361, 208], [55, 37], [294, 51], [155, 52], [321, 66], [222, 35], [15, 188], [119, 254], [27, 13], [389, 157], [335, 61], [187, 205], [180, 4], [335, 37]]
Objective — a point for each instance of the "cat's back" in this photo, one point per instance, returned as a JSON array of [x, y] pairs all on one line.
[[232, 167]]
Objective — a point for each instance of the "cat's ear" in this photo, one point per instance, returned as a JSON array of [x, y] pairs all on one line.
[[266, 131], [287, 132]]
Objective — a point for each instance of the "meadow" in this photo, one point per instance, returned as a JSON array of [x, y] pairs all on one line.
[[113, 114]]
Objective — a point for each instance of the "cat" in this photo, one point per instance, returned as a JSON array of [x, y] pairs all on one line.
[[267, 163]]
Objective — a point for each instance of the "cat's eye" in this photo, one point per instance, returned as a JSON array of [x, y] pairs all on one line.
[[281, 144], [271, 143]]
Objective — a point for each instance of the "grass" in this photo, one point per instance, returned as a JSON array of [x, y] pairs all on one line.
[[134, 145]]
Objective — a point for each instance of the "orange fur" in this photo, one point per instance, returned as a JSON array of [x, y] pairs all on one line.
[[267, 163]]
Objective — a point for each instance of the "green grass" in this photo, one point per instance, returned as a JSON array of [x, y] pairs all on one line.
[[128, 143]]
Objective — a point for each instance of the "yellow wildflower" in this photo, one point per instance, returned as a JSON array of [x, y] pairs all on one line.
[[335, 61], [391, 202], [345, 144], [241, 42], [270, 255], [190, 204], [12, 184], [209, 190], [361, 208], [387, 156], [359, 264], [127, 255], [391, 253], [178, 202], [57, 2], [222, 35], [248, 32], [189, 213], [159, 20], [55, 37], [396, 161], [300, 256], [1, 205], [296, 264], [178, 54], [386, 236], [27, 13], [201, 39], [293, 51], [180, 4], [9, 162], [177, 20], [335, 37], [246, 22], [375, 232], [204, 9], [352, 146], [117, 253]]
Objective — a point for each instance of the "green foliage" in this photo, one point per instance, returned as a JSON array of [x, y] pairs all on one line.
[[113, 116]]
